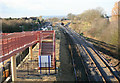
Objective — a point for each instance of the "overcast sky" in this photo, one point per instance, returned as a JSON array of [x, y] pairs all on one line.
[[22, 8]]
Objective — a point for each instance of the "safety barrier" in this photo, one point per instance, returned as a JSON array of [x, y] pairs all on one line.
[[47, 48], [12, 43]]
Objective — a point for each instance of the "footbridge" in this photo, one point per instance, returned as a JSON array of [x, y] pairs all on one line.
[[13, 43]]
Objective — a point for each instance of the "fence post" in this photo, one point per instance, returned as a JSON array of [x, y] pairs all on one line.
[[49, 63], [39, 43], [54, 48], [13, 67]]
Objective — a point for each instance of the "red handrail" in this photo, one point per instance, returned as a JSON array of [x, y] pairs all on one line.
[[12, 43]]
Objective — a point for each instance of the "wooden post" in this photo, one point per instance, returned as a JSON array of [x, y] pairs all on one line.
[[39, 54], [13, 67], [54, 48], [30, 51]]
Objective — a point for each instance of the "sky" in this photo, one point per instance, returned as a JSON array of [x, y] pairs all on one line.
[[28, 8]]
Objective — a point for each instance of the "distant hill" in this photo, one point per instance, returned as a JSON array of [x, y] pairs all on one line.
[[45, 17]]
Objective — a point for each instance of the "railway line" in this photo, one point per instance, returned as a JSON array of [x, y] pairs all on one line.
[[97, 66]]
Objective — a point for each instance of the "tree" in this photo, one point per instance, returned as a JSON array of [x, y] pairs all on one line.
[[40, 18], [38, 21], [54, 19], [91, 14], [10, 18], [70, 16]]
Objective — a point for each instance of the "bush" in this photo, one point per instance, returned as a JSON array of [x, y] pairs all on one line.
[[93, 24], [17, 25], [90, 15]]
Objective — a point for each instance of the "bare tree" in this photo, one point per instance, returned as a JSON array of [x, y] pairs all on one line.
[[91, 14], [70, 16]]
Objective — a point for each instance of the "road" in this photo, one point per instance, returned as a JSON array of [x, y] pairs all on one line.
[[96, 65]]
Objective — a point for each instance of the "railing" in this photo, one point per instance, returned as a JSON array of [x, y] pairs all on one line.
[[12, 43], [48, 38]]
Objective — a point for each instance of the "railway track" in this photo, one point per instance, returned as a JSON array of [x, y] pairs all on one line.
[[98, 67]]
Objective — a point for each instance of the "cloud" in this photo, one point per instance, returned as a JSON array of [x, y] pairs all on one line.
[[23, 4], [51, 7]]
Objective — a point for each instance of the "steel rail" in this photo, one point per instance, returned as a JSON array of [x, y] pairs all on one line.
[[103, 79], [98, 55]]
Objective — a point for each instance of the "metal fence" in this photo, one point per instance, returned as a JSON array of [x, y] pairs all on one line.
[[13, 43], [31, 70]]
